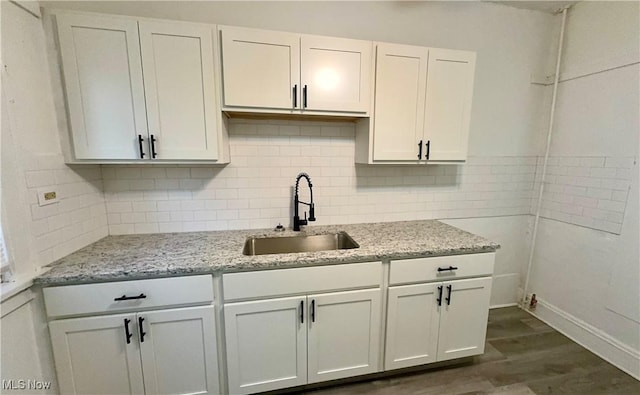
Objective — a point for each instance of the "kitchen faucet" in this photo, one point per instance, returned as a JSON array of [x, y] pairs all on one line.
[[296, 218]]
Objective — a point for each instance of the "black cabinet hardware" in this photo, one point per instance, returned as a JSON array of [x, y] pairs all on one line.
[[125, 297], [448, 298], [304, 97], [302, 311], [153, 147], [428, 146], [447, 269], [140, 141], [127, 332], [439, 300], [141, 329], [295, 96], [420, 150], [313, 310]]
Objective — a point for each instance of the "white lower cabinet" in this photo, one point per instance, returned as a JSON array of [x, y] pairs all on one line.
[[436, 321], [284, 342], [176, 350]]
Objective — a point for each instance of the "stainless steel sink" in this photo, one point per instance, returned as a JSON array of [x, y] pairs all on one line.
[[286, 245]]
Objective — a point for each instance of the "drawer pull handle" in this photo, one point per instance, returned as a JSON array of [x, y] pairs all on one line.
[[447, 269], [141, 329], [448, 298], [439, 300], [313, 310], [127, 332], [125, 297]]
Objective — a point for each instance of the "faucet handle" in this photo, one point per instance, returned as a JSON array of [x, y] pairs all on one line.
[[312, 212]]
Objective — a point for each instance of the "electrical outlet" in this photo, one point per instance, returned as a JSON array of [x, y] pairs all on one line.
[[47, 196]]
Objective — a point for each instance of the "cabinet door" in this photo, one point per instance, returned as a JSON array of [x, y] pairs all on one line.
[[260, 68], [178, 351], [177, 60], [448, 104], [463, 318], [266, 344], [413, 319], [103, 81], [344, 334], [92, 355], [401, 77], [336, 74]]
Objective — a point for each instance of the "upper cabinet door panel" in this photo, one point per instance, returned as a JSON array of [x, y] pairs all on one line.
[[177, 60], [260, 68], [103, 80], [336, 73], [401, 77], [448, 104]]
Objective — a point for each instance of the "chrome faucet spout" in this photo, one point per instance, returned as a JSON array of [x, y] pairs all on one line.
[[297, 222]]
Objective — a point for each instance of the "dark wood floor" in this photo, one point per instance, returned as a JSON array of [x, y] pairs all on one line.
[[522, 356]]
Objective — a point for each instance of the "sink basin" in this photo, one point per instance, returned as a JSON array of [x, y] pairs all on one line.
[[286, 245]]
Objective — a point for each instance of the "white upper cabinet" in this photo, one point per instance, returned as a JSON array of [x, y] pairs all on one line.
[[177, 59], [422, 106], [335, 74], [267, 71], [260, 68], [448, 103], [398, 124], [103, 79], [140, 90]]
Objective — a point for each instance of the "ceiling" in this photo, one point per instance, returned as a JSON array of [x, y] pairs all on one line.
[[550, 7]]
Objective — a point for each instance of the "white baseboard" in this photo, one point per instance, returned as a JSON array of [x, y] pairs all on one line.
[[499, 306], [590, 337]]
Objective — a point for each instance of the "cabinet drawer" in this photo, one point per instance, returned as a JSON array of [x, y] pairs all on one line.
[[102, 298], [426, 269], [270, 283]]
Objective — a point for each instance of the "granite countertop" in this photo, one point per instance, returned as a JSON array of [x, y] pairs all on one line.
[[173, 254]]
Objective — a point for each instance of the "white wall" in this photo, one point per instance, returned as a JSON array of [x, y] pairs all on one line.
[[32, 157], [588, 280]]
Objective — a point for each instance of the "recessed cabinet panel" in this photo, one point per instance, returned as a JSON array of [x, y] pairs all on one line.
[[180, 91], [336, 73], [344, 330], [103, 79], [266, 344], [412, 325], [92, 355], [179, 351], [463, 319], [260, 68], [448, 103], [399, 103]]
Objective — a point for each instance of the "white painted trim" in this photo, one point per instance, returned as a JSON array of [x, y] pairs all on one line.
[[590, 337], [30, 6], [499, 306], [15, 302]]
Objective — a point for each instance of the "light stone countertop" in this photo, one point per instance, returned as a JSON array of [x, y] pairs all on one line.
[[174, 254]]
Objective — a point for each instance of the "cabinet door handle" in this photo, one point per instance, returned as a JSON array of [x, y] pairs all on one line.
[[313, 310], [153, 147], [304, 97], [140, 141], [141, 329], [448, 298], [439, 299], [127, 332], [302, 311], [428, 146], [295, 96], [420, 150], [447, 269], [125, 297]]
